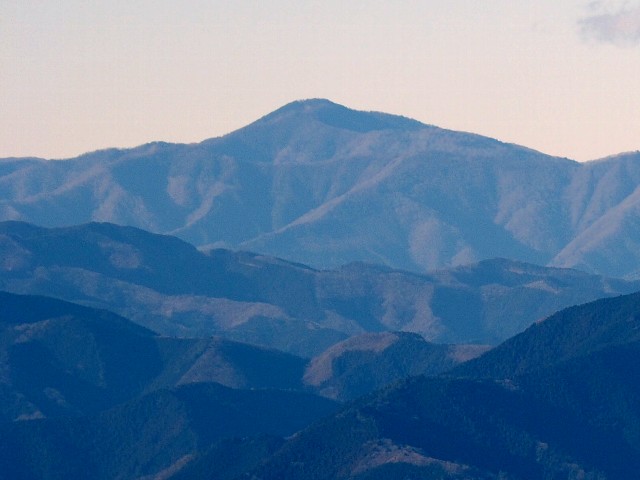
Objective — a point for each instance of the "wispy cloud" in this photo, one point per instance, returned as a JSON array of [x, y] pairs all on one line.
[[619, 25]]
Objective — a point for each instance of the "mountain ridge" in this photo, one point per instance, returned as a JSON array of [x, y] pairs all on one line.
[[172, 288], [311, 181], [560, 400]]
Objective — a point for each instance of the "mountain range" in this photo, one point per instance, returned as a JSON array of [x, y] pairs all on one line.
[[558, 401], [86, 392], [60, 359], [320, 184], [171, 288], [411, 312]]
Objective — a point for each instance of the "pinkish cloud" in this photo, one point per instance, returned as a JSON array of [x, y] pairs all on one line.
[[619, 27]]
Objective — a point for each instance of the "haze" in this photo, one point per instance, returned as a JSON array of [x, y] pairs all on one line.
[[76, 76]]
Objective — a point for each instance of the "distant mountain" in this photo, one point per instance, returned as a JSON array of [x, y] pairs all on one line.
[[170, 287], [320, 184], [560, 400], [157, 434], [368, 362], [58, 359], [86, 393], [571, 333]]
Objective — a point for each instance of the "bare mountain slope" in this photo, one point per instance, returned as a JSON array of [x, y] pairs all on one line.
[[320, 184]]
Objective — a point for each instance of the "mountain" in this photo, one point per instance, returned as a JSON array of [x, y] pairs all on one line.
[[558, 401], [369, 362], [86, 393], [60, 359], [323, 185], [174, 289], [572, 333], [156, 434]]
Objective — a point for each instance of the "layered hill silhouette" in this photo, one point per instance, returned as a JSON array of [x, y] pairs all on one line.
[[86, 392], [59, 359], [364, 363], [170, 287], [157, 434], [560, 400], [221, 363], [323, 185]]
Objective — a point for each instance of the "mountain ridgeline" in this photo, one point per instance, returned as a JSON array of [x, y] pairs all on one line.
[[559, 401], [170, 287], [450, 307], [323, 185], [84, 392], [87, 393]]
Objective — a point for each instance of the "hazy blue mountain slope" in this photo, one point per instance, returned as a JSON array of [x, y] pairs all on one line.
[[446, 429], [564, 336], [60, 359], [86, 393], [151, 435], [63, 359], [172, 288], [560, 400], [585, 359], [368, 362], [323, 185]]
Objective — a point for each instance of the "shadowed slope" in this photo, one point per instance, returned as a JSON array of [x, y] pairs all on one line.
[[172, 288], [560, 400]]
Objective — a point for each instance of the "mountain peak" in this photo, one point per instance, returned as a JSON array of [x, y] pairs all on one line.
[[311, 104], [338, 116]]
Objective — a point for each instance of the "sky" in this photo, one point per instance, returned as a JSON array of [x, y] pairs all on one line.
[[562, 77]]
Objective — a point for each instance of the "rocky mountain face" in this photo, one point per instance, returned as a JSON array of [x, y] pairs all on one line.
[[170, 287], [319, 184]]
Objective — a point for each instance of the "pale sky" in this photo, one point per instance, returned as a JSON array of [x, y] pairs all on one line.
[[559, 76]]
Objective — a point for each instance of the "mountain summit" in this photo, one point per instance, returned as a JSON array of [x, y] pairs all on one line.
[[321, 184], [338, 116]]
